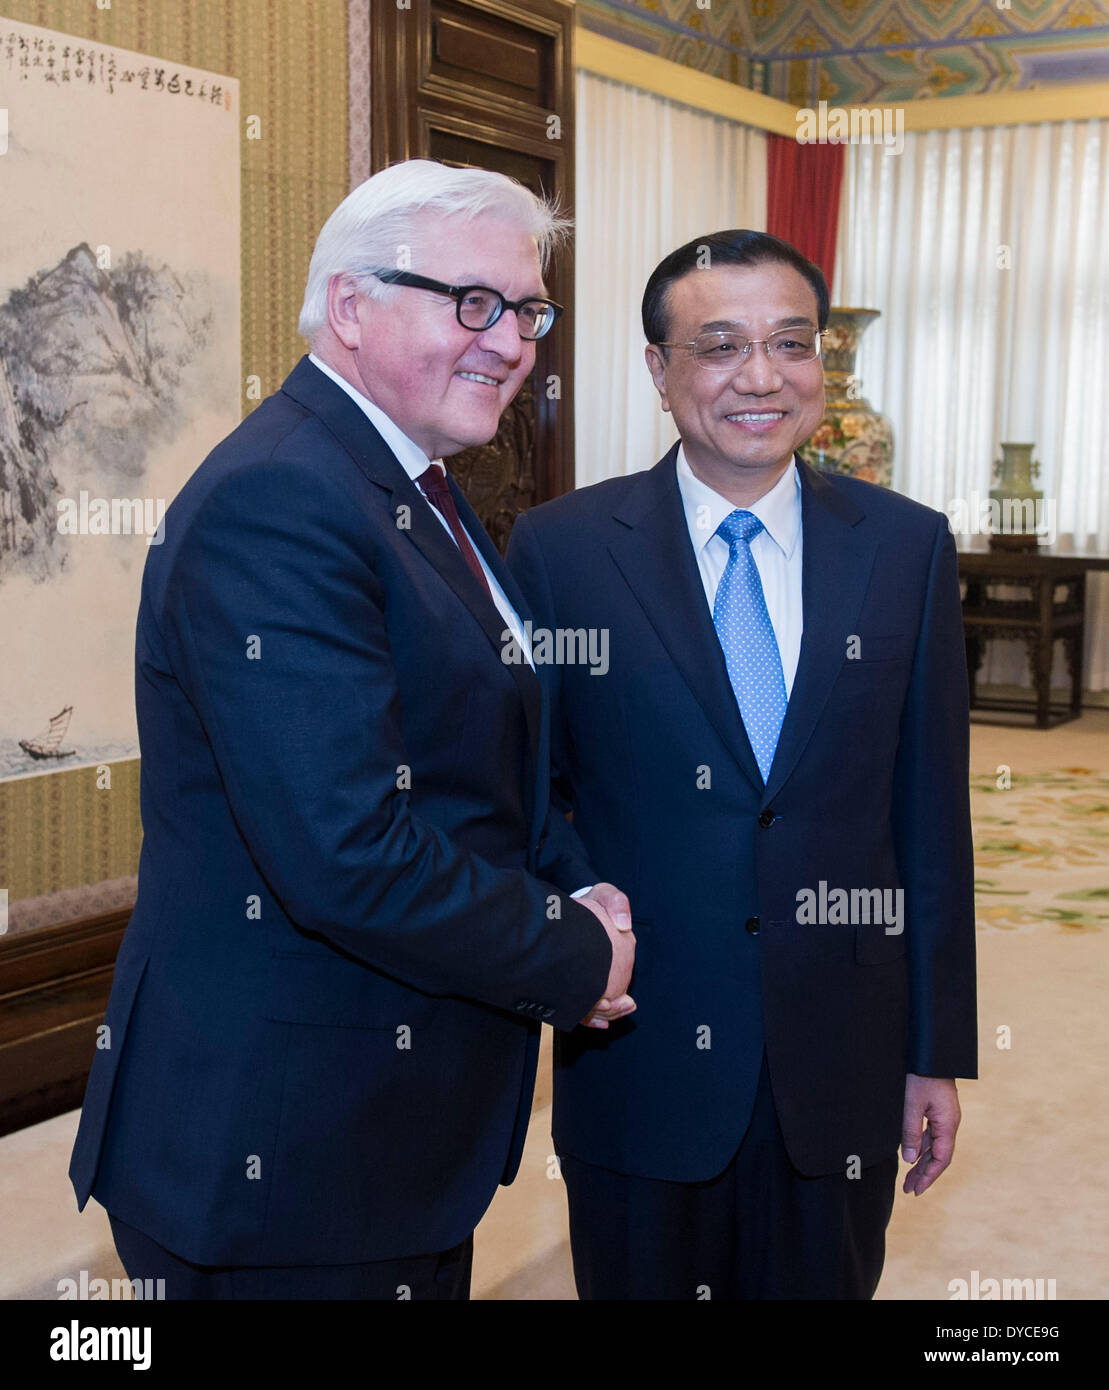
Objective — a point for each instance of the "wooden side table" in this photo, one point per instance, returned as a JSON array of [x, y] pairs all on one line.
[[1052, 607]]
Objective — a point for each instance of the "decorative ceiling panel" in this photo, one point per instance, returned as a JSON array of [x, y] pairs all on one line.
[[868, 50]]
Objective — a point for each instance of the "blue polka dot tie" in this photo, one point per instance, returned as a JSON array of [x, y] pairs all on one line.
[[747, 637]]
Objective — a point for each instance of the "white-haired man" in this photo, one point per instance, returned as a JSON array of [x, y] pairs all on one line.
[[325, 1014]]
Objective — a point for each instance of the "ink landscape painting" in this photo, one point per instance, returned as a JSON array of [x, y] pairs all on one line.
[[119, 365]]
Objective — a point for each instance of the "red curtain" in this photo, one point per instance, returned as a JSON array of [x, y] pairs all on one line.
[[802, 197]]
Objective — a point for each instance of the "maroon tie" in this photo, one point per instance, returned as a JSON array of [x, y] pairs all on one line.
[[433, 481]]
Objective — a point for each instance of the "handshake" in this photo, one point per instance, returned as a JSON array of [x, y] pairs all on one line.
[[613, 911]]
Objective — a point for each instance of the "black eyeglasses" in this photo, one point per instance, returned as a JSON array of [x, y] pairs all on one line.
[[479, 307]]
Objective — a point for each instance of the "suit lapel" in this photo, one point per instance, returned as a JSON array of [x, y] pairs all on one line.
[[533, 691], [351, 427], [836, 565], [656, 558], [525, 678], [354, 431], [483, 542]]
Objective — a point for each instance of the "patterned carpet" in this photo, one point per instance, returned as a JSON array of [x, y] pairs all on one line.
[[1028, 1183], [1041, 850]]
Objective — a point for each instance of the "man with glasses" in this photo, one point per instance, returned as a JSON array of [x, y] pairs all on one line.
[[775, 770], [324, 1021]]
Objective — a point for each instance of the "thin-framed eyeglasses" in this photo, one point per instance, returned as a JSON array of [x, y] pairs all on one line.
[[723, 352], [477, 307]]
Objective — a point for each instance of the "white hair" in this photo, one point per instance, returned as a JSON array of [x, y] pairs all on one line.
[[377, 225]]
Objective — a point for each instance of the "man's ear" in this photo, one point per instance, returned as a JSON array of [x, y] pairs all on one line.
[[342, 311], [656, 365]]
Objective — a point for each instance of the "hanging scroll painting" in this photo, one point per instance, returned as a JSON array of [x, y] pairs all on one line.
[[119, 364]]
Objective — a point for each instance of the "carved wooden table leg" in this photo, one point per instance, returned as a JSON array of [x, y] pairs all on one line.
[[1045, 651]]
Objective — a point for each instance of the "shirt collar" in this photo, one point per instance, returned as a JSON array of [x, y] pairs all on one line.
[[779, 510], [409, 454]]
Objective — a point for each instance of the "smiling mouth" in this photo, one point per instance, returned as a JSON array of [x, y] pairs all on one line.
[[756, 417], [480, 378]]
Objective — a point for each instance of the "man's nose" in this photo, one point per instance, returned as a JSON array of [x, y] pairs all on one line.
[[759, 372], [503, 337]]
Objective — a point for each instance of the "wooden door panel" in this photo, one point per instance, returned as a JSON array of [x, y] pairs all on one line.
[[483, 53]]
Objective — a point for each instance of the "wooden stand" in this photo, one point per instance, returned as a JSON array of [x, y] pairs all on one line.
[[1052, 608]]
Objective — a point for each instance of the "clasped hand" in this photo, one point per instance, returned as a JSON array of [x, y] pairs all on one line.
[[613, 911]]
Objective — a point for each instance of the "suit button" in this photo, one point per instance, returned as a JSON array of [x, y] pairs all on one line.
[[752, 926], [767, 818]]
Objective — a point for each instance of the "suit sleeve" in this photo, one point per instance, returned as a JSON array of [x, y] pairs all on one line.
[[932, 833], [562, 856], [307, 737]]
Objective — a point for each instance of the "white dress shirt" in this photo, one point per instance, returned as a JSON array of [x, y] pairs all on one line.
[[776, 550], [414, 462]]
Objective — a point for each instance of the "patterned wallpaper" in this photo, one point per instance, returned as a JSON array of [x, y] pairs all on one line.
[[845, 51], [59, 833]]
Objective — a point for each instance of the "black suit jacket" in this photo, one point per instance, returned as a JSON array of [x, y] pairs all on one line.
[[324, 1017], [868, 790]]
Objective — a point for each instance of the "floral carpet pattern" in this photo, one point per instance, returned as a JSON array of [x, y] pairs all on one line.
[[1041, 850]]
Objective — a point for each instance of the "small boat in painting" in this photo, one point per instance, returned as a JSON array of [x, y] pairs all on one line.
[[47, 743]]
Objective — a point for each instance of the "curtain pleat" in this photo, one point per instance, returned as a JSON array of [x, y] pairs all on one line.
[[985, 251], [651, 175], [803, 197]]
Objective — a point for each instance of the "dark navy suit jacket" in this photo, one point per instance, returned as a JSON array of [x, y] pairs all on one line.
[[868, 790], [325, 1011]]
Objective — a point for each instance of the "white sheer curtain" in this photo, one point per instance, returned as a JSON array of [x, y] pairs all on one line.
[[651, 174], [986, 252]]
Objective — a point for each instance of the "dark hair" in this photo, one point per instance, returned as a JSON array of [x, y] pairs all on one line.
[[736, 247]]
